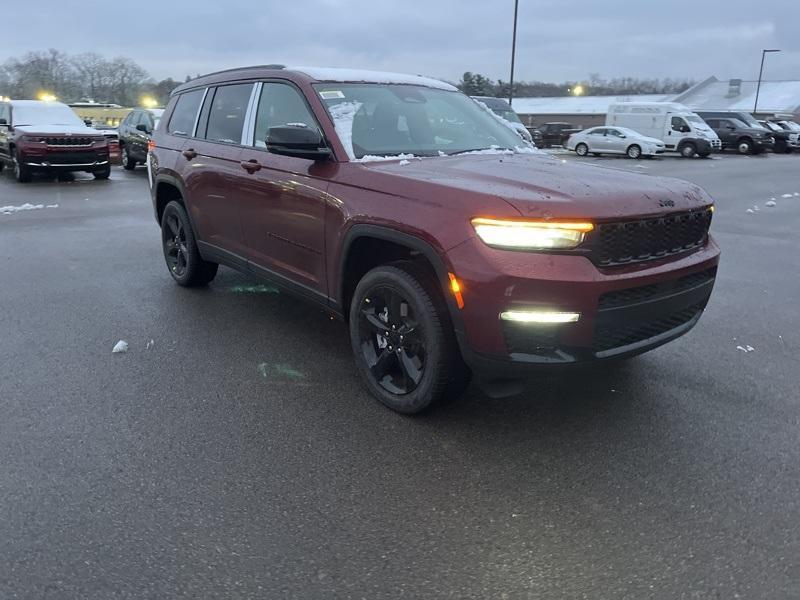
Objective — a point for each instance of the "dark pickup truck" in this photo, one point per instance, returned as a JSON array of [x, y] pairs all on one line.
[[739, 131], [556, 134]]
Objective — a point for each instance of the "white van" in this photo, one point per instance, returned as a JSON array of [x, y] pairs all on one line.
[[677, 126]]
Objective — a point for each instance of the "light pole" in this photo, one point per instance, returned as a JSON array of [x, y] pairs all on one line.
[[760, 73], [513, 54]]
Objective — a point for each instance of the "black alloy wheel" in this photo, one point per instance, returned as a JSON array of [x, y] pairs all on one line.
[[176, 252], [403, 339], [181, 254], [392, 341]]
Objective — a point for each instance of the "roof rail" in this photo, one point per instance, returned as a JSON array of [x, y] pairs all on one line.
[[275, 66]]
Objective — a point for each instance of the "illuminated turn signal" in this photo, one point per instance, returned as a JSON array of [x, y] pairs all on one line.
[[151, 145], [455, 287]]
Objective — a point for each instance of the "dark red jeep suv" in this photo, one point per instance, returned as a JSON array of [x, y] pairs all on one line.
[[49, 137], [448, 246]]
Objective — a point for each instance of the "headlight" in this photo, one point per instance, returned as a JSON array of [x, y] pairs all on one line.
[[531, 235]]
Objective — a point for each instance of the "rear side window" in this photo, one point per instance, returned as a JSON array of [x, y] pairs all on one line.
[[228, 109], [281, 104], [185, 113]]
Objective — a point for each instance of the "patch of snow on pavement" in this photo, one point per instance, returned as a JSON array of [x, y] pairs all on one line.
[[7, 210], [405, 162], [750, 210], [772, 203], [745, 349], [120, 346], [788, 195]]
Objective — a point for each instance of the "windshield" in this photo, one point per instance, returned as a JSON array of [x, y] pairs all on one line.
[[694, 119], [770, 125], [508, 115], [791, 125], [45, 114], [387, 120]]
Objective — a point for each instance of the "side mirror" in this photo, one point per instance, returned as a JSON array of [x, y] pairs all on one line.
[[142, 127], [623, 136], [297, 141], [3, 122]]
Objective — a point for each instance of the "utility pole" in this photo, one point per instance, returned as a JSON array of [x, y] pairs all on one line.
[[760, 73], [513, 54]]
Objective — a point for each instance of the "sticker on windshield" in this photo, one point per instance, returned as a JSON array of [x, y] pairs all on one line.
[[331, 94]]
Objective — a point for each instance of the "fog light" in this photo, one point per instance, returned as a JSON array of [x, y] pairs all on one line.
[[540, 316]]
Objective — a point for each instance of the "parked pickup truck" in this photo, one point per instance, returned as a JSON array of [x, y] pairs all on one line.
[[557, 134]]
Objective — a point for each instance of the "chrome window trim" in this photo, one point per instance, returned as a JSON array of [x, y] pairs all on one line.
[[249, 126], [197, 116]]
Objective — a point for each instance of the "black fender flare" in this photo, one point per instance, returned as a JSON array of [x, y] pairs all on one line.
[[434, 257]]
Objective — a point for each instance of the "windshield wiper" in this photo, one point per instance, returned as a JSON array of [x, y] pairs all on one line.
[[498, 148]]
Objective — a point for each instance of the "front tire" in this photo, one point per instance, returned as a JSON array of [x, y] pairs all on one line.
[[21, 172], [403, 340], [181, 254], [744, 146], [634, 151], [581, 149], [688, 150], [128, 163], [103, 173]]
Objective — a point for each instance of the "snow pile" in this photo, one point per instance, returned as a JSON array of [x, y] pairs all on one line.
[[120, 346], [343, 115], [771, 203], [365, 76], [374, 158], [7, 210], [787, 195], [405, 162]]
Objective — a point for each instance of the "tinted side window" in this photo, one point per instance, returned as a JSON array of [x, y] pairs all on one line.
[[4, 113], [281, 104], [226, 119], [185, 113]]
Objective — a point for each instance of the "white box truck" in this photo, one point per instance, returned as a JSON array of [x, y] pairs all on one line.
[[676, 125]]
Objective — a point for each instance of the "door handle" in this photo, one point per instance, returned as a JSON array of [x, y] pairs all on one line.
[[189, 153], [251, 166]]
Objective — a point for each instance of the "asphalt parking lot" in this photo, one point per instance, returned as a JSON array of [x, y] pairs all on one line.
[[233, 453]]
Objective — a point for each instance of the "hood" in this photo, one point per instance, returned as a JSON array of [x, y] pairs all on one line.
[[539, 186], [57, 130]]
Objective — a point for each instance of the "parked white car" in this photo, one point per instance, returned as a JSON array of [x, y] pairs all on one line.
[[614, 140]]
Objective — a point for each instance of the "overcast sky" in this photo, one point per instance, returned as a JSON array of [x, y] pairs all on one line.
[[558, 40]]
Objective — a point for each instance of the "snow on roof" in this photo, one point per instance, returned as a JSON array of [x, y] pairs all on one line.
[[774, 96], [589, 105], [359, 75]]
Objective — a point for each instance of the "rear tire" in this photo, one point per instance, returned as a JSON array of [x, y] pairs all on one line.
[[688, 150], [21, 172], [634, 151], [414, 362], [181, 254], [581, 149], [127, 162]]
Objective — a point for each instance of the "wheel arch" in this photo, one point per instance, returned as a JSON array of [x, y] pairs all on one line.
[[352, 265]]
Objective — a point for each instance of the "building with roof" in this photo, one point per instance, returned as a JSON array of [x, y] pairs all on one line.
[[774, 98], [581, 111]]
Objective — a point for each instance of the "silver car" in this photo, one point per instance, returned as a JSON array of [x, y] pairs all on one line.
[[614, 140]]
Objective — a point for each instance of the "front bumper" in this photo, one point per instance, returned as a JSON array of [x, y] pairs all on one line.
[[53, 158], [624, 310]]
